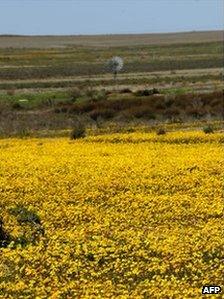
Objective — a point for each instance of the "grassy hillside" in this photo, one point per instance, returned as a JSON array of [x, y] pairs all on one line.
[[56, 79], [15, 41], [90, 61]]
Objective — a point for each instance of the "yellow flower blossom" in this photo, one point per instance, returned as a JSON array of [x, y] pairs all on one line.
[[123, 216]]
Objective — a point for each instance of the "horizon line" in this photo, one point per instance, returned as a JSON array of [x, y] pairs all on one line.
[[106, 34]]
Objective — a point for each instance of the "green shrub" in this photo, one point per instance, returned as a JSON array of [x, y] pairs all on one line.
[[4, 237], [161, 131], [49, 102], [17, 106], [11, 92], [104, 113], [79, 131], [75, 93], [208, 129], [24, 215], [23, 132], [142, 111], [31, 224], [100, 95], [90, 93], [125, 90], [147, 92]]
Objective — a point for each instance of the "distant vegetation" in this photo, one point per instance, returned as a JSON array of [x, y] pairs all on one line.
[[21, 114], [76, 61], [54, 88]]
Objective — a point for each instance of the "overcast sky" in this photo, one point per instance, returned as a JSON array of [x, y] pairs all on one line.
[[109, 16]]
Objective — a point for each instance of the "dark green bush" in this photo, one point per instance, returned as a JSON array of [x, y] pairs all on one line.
[[147, 92], [24, 215], [4, 237], [125, 90], [208, 129], [104, 113], [79, 131], [99, 95], [161, 131], [75, 93], [23, 132], [17, 106], [142, 111], [31, 224]]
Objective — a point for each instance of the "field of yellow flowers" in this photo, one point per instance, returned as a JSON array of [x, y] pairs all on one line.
[[116, 216]]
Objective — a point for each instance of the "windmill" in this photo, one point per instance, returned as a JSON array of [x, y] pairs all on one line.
[[115, 65]]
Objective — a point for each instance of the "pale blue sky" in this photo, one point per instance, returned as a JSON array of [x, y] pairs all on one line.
[[108, 16]]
